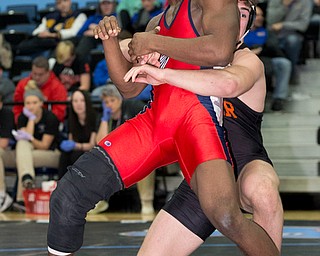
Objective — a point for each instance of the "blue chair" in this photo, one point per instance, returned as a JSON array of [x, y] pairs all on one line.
[[21, 28], [31, 10], [52, 6], [9, 18], [92, 4]]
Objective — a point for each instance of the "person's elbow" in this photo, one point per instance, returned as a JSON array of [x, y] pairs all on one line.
[[230, 88], [221, 58], [226, 56]]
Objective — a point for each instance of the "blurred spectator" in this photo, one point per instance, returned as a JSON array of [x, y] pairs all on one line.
[[5, 53], [115, 112], [101, 80], [150, 9], [125, 11], [7, 158], [81, 129], [63, 23], [50, 86], [73, 71], [315, 22], [87, 41], [7, 87], [37, 138], [100, 77], [277, 67], [137, 21], [289, 19]]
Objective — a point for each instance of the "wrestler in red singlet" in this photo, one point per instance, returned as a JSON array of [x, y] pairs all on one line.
[[177, 126]]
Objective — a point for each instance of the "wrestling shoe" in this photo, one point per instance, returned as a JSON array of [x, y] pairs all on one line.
[[5, 202]]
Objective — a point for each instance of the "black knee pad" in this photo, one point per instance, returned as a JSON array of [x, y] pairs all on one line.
[[93, 177], [185, 207]]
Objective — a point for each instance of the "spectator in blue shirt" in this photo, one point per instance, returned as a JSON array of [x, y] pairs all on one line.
[[139, 20], [85, 35]]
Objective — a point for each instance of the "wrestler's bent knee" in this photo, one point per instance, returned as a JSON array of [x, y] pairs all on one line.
[[93, 177]]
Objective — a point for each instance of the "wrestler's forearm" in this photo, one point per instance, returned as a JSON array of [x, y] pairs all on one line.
[[197, 51], [204, 82], [231, 81], [118, 65]]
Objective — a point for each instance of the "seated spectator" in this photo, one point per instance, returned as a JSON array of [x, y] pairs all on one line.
[[62, 24], [5, 53], [81, 129], [7, 87], [73, 71], [289, 19], [7, 158], [150, 9], [37, 138], [6, 58], [315, 22], [100, 77], [277, 67], [137, 22], [50, 86], [85, 35], [115, 112], [125, 11], [101, 80]]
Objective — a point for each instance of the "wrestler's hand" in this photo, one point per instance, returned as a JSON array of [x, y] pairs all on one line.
[[151, 59], [146, 74], [107, 27], [141, 44]]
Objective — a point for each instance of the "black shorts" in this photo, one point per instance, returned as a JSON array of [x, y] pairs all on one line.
[[185, 207]]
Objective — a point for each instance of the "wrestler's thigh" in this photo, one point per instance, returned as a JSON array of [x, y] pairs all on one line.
[[197, 144], [135, 150]]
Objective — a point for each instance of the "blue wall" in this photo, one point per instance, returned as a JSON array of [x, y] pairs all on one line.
[[41, 3]]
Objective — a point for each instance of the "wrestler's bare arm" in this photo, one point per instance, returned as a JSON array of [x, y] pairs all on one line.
[[107, 30], [214, 47], [245, 72]]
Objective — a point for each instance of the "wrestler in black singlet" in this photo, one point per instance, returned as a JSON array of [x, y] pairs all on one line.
[[243, 126]]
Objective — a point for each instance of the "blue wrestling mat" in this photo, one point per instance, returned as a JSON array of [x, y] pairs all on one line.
[[289, 232], [124, 239]]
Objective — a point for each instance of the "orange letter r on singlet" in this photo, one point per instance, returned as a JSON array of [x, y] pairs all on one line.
[[228, 109]]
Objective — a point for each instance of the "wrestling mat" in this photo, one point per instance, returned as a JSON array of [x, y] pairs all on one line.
[[124, 238]]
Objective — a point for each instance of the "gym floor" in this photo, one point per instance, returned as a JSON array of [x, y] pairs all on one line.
[[122, 234]]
